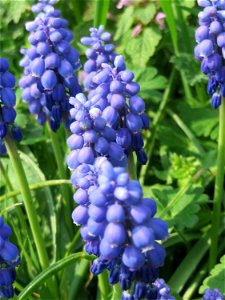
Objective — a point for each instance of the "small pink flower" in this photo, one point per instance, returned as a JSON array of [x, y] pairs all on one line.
[[123, 3], [137, 29], [160, 20]]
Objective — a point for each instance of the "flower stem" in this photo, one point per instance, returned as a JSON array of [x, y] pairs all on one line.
[[10, 188], [31, 213], [104, 287], [152, 133], [117, 292], [34, 186], [132, 167], [218, 191], [62, 173]]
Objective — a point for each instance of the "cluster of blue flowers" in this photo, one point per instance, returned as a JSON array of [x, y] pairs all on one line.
[[9, 259], [49, 66], [118, 224], [210, 50], [213, 295], [7, 103], [109, 81]]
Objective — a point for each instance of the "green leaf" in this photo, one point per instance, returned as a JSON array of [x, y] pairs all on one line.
[[216, 278], [50, 271], [142, 47], [149, 81], [15, 10], [201, 120], [145, 14], [124, 23], [190, 66], [181, 211]]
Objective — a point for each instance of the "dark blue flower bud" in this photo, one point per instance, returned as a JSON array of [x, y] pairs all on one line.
[[202, 33], [8, 114], [206, 48], [110, 115], [216, 100], [80, 215], [117, 101], [133, 258], [3, 130], [132, 88], [115, 213], [52, 61], [86, 155], [108, 251], [115, 234], [134, 122], [43, 48], [126, 76], [4, 65], [7, 80], [16, 133], [97, 213], [48, 80], [160, 228], [37, 67], [96, 228], [8, 97]]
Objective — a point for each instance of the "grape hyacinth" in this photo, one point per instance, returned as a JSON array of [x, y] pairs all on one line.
[[113, 85], [159, 291], [210, 36], [93, 134], [7, 103], [118, 226], [9, 259], [214, 294], [49, 65], [117, 222]]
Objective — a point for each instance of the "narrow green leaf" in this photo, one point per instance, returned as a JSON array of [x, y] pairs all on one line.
[[50, 271], [188, 265], [170, 19], [100, 12]]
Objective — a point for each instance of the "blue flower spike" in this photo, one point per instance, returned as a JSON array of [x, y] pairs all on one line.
[[7, 103], [49, 65], [210, 36], [9, 259]]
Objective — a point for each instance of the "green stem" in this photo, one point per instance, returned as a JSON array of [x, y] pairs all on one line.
[[117, 292], [218, 191], [36, 186], [100, 12], [132, 167], [10, 188], [31, 213], [73, 243], [187, 131], [62, 173], [181, 192], [188, 265], [152, 134], [191, 289], [104, 286]]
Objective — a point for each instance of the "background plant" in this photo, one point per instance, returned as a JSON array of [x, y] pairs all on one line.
[[181, 147]]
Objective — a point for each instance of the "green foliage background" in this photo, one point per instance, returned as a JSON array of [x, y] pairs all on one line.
[[181, 145]]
